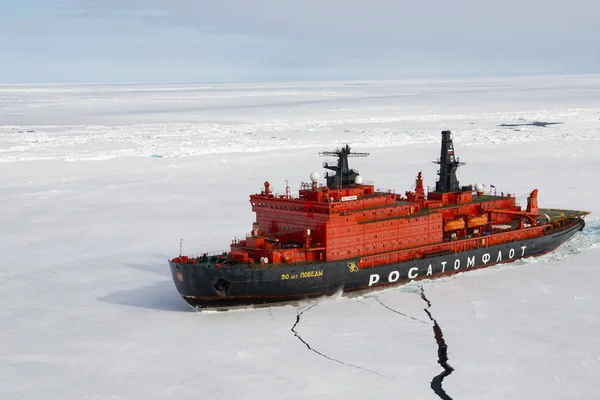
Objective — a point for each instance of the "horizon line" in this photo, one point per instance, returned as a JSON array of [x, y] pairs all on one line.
[[448, 77]]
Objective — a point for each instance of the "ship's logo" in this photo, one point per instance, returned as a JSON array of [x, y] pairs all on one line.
[[352, 266], [180, 276]]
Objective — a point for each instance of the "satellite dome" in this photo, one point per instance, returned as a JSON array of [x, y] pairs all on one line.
[[314, 177], [479, 187], [358, 180]]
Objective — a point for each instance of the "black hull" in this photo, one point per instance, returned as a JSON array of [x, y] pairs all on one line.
[[209, 287]]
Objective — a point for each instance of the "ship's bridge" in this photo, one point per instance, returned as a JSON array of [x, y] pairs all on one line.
[[323, 194]]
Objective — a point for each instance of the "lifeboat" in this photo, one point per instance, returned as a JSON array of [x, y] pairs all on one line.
[[454, 225], [477, 221]]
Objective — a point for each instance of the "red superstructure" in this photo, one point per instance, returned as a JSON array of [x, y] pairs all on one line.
[[346, 219]]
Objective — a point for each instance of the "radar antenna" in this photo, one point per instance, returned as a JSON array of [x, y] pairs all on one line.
[[344, 176]]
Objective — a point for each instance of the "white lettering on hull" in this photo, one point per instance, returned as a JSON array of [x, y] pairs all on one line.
[[470, 261], [373, 279], [413, 272]]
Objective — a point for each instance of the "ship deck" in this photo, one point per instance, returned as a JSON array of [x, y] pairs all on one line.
[[426, 211], [555, 214]]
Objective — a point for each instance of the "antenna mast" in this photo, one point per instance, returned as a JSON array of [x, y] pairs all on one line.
[[449, 163], [344, 176]]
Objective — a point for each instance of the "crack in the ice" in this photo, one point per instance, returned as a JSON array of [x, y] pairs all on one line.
[[436, 382], [293, 329], [361, 302], [473, 306], [398, 312]]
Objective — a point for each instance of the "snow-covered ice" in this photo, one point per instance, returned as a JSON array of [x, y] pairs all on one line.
[[99, 183]]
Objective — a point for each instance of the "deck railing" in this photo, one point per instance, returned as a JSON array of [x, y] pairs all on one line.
[[209, 254]]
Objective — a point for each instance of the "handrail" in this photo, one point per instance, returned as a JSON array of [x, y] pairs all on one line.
[[208, 254]]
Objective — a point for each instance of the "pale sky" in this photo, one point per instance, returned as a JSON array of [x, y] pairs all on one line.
[[72, 41]]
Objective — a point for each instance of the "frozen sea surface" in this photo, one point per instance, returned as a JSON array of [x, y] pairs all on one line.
[[97, 122], [100, 182]]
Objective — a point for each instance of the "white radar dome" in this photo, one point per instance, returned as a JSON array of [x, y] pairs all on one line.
[[479, 187], [358, 180], [314, 177]]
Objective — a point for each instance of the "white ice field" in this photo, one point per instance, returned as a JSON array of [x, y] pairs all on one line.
[[99, 182]]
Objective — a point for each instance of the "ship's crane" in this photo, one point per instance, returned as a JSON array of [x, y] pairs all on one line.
[[344, 176]]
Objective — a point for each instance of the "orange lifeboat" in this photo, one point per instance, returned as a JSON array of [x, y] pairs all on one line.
[[454, 225], [477, 221]]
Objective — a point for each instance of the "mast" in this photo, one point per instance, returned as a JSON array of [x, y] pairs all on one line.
[[344, 176], [449, 163]]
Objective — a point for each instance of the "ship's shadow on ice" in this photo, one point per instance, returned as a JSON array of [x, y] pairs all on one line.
[[159, 296]]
